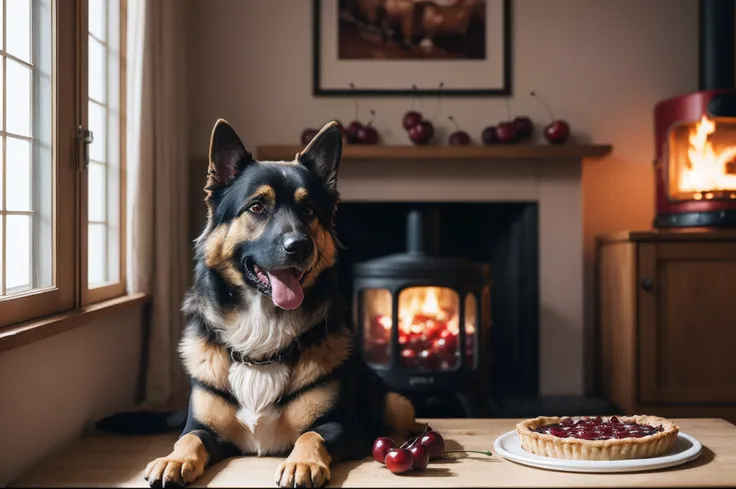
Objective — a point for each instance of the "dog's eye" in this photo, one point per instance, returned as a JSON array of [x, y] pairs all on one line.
[[309, 211], [256, 208]]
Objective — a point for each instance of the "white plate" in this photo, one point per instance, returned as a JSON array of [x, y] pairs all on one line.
[[685, 449]]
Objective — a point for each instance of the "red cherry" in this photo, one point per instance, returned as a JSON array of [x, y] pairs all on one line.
[[367, 134], [557, 132], [459, 137], [408, 353], [447, 342], [351, 133], [421, 133], [524, 126], [420, 456], [411, 119], [434, 443], [489, 135], [506, 133], [381, 447], [399, 460]]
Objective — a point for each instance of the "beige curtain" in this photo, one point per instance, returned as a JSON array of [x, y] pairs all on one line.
[[158, 243]]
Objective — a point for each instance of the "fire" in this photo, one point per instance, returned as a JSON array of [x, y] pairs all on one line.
[[428, 328], [708, 166], [419, 310]]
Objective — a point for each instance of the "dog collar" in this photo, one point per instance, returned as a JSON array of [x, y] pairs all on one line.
[[289, 354], [286, 355]]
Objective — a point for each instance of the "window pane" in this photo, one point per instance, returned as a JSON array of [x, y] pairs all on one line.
[[2, 188], [2, 78], [104, 120], [2, 244], [96, 75], [19, 28], [1, 29], [97, 19], [27, 163], [18, 98], [96, 265], [96, 187], [97, 124], [18, 253], [18, 175]]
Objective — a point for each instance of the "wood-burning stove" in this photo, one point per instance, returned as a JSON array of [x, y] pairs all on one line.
[[424, 320], [695, 134]]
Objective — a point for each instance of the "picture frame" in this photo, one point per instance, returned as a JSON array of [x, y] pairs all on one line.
[[359, 42]]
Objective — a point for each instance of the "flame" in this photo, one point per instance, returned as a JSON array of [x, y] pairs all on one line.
[[708, 166], [420, 308]]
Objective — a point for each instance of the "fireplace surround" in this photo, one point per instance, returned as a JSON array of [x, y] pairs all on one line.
[[544, 180]]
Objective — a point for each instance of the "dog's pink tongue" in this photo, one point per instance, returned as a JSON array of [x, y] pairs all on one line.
[[286, 292]]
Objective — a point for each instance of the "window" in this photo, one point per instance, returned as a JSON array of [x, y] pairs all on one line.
[[105, 101], [61, 239]]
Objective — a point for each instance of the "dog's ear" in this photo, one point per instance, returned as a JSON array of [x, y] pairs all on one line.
[[322, 155], [228, 156]]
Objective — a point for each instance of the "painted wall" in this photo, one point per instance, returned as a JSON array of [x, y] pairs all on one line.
[[52, 389], [600, 64]]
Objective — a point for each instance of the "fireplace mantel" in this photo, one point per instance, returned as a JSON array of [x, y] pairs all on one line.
[[386, 154]]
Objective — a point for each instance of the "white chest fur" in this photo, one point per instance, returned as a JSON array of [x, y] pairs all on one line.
[[257, 389]]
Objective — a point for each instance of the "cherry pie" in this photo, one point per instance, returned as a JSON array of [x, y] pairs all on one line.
[[607, 438]]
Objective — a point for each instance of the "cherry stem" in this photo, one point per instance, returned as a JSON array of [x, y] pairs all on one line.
[[549, 111], [487, 452], [373, 116], [355, 102], [457, 127], [508, 109], [411, 441], [439, 101]]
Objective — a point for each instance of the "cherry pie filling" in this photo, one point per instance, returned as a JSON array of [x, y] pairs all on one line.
[[597, 429]]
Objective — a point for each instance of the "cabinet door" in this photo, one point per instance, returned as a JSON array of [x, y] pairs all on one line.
[[687, 322]]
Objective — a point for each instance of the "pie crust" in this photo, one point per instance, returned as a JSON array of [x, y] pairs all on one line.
[[548, 445]]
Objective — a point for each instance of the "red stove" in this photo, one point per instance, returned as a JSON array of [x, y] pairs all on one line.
[[695, 134]]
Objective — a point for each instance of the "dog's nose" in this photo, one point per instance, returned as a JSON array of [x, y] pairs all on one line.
[[298, 246]]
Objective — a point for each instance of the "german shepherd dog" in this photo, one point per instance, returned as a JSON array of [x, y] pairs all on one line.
[[268, 344]]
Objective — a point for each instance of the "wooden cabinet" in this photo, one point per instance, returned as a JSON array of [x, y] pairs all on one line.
[[667, 318]]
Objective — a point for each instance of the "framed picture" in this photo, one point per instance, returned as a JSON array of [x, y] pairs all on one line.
[[385, 47]]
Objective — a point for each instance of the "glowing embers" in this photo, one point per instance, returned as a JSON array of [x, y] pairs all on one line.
[[702, 160], [429, 321]]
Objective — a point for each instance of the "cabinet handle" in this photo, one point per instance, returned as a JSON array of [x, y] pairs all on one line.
[[647, 285]]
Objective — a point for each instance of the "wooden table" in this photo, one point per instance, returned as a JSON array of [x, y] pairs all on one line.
[[108, 461]]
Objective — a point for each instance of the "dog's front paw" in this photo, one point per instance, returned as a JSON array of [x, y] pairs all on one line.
[[172, 472], [302, 474]]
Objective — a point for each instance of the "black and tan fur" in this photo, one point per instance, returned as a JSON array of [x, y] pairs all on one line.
[[322, 404]]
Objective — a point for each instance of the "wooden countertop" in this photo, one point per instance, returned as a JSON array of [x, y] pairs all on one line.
[[110, 461]]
